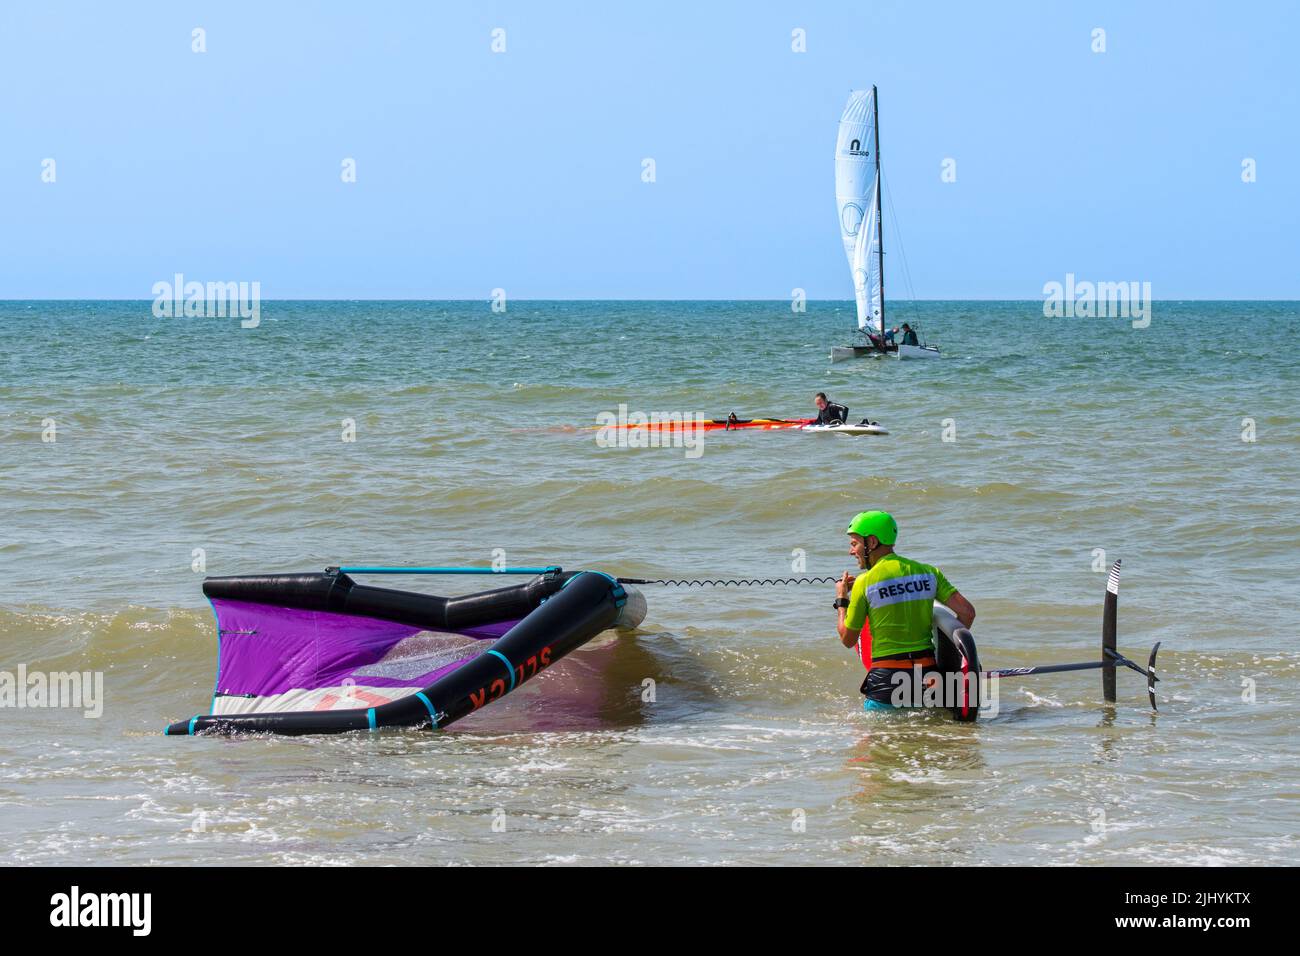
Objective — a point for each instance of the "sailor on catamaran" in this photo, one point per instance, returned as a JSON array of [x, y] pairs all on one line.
[[889, 609], [828, 412]]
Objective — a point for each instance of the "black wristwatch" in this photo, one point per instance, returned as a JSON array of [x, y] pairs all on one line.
[[840, 602]]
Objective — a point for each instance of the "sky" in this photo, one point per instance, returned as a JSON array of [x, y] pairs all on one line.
[[523, 170]]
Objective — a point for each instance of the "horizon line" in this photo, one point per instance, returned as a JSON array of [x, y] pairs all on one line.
[[488, 299]]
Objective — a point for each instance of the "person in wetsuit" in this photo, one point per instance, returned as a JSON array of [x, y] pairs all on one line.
[[828, 412], [909, 335]]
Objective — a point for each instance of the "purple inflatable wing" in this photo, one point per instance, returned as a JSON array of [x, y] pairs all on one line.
[[279, 658]]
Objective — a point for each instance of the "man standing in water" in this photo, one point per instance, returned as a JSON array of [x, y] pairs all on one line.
[[895, 599]]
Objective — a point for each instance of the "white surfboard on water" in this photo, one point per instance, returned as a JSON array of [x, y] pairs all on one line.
[[860, 429]]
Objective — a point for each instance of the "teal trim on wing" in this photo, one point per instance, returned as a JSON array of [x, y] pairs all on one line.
[[616, 589], [370, 716], [432, 713], [509, 667], [193, 720], [216, 683]]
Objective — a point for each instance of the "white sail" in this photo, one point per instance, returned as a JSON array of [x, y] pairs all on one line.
[[866, 267], [857, 195]]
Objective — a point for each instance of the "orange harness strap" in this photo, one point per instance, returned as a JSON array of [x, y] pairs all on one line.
[[904, 665]]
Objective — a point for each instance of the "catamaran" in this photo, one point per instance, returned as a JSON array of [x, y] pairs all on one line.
[[857, 195]]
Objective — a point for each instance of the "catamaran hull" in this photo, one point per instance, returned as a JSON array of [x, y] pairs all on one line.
[[918, 351], [840, 353]]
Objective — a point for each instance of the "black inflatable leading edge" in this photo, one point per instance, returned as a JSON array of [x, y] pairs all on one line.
[[560, 612], [335, 591]]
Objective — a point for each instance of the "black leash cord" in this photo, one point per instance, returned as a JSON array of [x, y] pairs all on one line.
[[733, 582]]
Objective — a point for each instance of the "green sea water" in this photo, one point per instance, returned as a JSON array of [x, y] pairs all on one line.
[[137, 454]]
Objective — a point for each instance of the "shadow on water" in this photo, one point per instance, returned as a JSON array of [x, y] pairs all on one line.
[[617, 682]]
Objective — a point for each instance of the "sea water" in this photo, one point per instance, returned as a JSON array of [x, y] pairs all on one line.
[[138, 454]]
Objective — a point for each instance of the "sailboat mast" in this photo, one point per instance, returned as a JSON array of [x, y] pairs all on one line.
[[880, 209]]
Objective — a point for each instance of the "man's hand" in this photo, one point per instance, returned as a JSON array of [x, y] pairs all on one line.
[[844, 585]]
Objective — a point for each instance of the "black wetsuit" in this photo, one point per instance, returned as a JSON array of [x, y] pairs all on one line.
[[909, 337], [832, 414], [881, 683]]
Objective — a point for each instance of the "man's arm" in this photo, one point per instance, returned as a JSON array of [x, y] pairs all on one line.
[[963, 608], [848, 636]]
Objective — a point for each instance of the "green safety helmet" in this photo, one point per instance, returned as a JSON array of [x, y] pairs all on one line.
[[878, 523]]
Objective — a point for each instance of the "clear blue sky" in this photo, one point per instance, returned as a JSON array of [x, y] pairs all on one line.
[[522, 170]]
